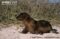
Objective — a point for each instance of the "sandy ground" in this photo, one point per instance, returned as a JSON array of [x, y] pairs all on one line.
[[13, 33]]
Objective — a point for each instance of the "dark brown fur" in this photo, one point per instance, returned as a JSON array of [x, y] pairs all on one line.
[[27, 21], [43, 27], [33, 26]]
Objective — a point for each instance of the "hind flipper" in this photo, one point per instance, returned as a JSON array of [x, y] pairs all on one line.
[[55, 31]]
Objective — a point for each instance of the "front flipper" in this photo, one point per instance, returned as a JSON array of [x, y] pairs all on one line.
[[24, 31]]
